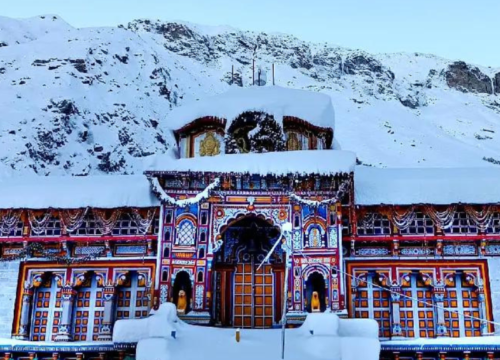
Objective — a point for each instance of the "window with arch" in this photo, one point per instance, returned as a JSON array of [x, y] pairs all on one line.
[[417, 308], [132, 300], [186, 232], [373, 302], [88, 310], [461, 296], [315, 238], [46, 310]]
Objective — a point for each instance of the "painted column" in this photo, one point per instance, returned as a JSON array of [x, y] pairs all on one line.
[[438, 292], [396, 330], [482, 310], [106, 330], [24, 321], [68, 294]]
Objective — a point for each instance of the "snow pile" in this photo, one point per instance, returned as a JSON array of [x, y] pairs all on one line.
[[315, 108], [317, 339], [427, 186], [71, 192], [159, 324], [323, 162]]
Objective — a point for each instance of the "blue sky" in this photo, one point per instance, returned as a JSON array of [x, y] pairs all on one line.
[[455, 29]]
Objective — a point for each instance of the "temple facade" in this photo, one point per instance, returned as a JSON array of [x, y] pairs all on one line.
[[256, 191]]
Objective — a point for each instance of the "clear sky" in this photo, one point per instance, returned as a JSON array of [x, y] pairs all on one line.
[[455, 29]]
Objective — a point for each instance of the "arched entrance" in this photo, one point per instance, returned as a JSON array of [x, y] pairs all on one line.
[[182, 292], [244, 296], [315, 284]]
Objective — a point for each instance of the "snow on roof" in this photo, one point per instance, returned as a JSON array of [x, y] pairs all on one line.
[[439, 186], [71, 192], [276, 163], [313, 107]]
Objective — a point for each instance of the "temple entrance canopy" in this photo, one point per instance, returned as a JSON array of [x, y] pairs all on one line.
[[246, 296]]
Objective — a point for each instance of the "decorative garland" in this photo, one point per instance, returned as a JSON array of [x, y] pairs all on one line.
[[442, 219], [106, 225], [142, 224], [9, 220], [38, 227], [483, 218], [167, 199], [403, 220], [72, 220], [314, 203], [30, 248]]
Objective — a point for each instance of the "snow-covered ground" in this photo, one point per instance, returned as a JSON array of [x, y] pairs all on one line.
[[322, 336], [97, 100]]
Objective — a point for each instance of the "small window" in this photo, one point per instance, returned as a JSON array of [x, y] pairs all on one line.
[[186, 232], [200, 276], [168, 217], [166, 252], [204, 218], [201, 253], [164, 274]]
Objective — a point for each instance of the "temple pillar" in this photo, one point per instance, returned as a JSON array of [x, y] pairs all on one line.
[[482, 311], [396, 330], [24, 320], [68, 294], [419, 355], [466, 355], [396, 355], [442, 355], [438, 292], [106, 331]]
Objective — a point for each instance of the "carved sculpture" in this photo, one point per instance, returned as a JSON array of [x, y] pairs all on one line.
[[315, 303], [210, 145], [181, 302]]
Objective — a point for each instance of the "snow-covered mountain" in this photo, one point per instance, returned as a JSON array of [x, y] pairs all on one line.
[[92, 100]]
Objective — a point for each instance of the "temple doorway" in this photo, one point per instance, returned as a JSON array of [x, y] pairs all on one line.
[[182, 292], [315, 293], [245, 296]]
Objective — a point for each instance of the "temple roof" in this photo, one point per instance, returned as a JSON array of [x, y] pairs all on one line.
[[71, 192], [313, 107], [438, 186], [323, 162]]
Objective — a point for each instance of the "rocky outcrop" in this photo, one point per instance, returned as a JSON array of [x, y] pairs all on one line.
[[467, 78], [497, 83]]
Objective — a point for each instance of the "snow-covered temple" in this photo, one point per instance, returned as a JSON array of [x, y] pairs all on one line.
[[415, 249]]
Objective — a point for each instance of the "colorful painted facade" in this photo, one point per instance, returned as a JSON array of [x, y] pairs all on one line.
[[422, 270]]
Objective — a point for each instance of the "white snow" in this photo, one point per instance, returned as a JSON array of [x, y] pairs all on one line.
[[70, 192], [439, 186], [197, 342], [313, 107], [276, 163]]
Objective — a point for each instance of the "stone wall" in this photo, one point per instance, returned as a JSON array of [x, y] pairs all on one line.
[[9, 272], [494, 270]]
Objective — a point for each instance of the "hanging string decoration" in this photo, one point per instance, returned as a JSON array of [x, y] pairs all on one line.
[[403, 219], [39, 226], [143, 224], [442, 219], [483, 218], [106, 225], [8, 221], [368, 221], [168, 200], [72, 219], [343, 188]]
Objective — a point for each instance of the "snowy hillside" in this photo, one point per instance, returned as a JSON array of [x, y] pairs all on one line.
[[93, 100]]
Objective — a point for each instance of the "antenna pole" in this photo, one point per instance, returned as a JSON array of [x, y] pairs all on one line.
[[273, 74], [232, 74]]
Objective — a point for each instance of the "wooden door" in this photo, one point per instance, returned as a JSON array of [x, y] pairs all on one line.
[[253, 301]]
